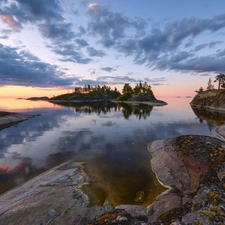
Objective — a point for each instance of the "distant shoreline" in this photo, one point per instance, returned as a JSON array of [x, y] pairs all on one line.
[[153, 103]]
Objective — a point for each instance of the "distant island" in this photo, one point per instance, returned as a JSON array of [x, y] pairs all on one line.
[[142, 92]]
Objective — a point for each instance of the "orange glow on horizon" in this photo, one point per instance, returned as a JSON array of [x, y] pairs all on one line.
[[26, 92]]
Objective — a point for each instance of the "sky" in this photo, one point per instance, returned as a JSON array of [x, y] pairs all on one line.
[[49, 47]]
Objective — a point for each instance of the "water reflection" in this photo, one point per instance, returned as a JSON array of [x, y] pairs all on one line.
[[213, 118], [111, 139], [141, 111]]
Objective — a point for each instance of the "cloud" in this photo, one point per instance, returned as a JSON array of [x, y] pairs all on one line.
[[82, 43], [9, 20], [160, 48], [92, 52], [4, 37], [189, 44], [108, 69], [70, 54], [25, 11], [92, 71], [200, 47], [221, 53], [111, 26], [22, 68], [200, 64], [214, 43], [58, 32]]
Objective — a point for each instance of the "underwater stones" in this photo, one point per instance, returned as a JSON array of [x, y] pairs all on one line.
[[140, 195]]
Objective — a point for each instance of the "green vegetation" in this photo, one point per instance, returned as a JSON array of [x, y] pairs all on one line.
[[141, 92], [90, 93], [220, 78]]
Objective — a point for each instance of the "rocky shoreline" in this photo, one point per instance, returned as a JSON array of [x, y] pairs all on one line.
[[8, 119], [192, 167], [151, 103]]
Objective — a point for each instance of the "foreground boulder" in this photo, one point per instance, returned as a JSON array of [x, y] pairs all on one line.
[[194, 169], [53, 197]]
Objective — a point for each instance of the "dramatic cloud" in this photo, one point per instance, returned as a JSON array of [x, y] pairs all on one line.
[[25, 11], [159, 49], [95, 31], [110, 26], [70, 54], [22, 68], [58, 32]]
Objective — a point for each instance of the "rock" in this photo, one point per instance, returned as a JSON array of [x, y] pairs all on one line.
[[210, 99], [116, 217], [140, 195], [194, 165], [136, 211], [51, 198], [164, 203], [168, 167], [8, 119], [221, 173]]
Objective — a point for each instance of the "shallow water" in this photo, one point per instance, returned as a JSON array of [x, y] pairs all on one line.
[[112, 139]]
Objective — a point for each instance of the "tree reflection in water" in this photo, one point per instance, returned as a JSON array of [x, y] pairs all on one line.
[[140, 110], [212, 117]]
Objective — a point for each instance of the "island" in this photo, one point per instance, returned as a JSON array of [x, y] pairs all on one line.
[[210, 100], [141, 93]]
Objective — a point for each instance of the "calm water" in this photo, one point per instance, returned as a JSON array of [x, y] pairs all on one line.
[[111, 139]]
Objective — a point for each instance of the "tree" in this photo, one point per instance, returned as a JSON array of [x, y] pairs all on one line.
[[221, 80], [210, 85], [127, 89], [200, 90]]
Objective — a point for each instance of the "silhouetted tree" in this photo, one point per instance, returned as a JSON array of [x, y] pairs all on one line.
[[127, 89], [221, 80], [200, 90]]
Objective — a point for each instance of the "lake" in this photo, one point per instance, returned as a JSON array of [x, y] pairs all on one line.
[[111, 139]]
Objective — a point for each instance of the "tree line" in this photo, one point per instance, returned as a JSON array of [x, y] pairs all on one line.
[[220, 78], [144, 88]]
